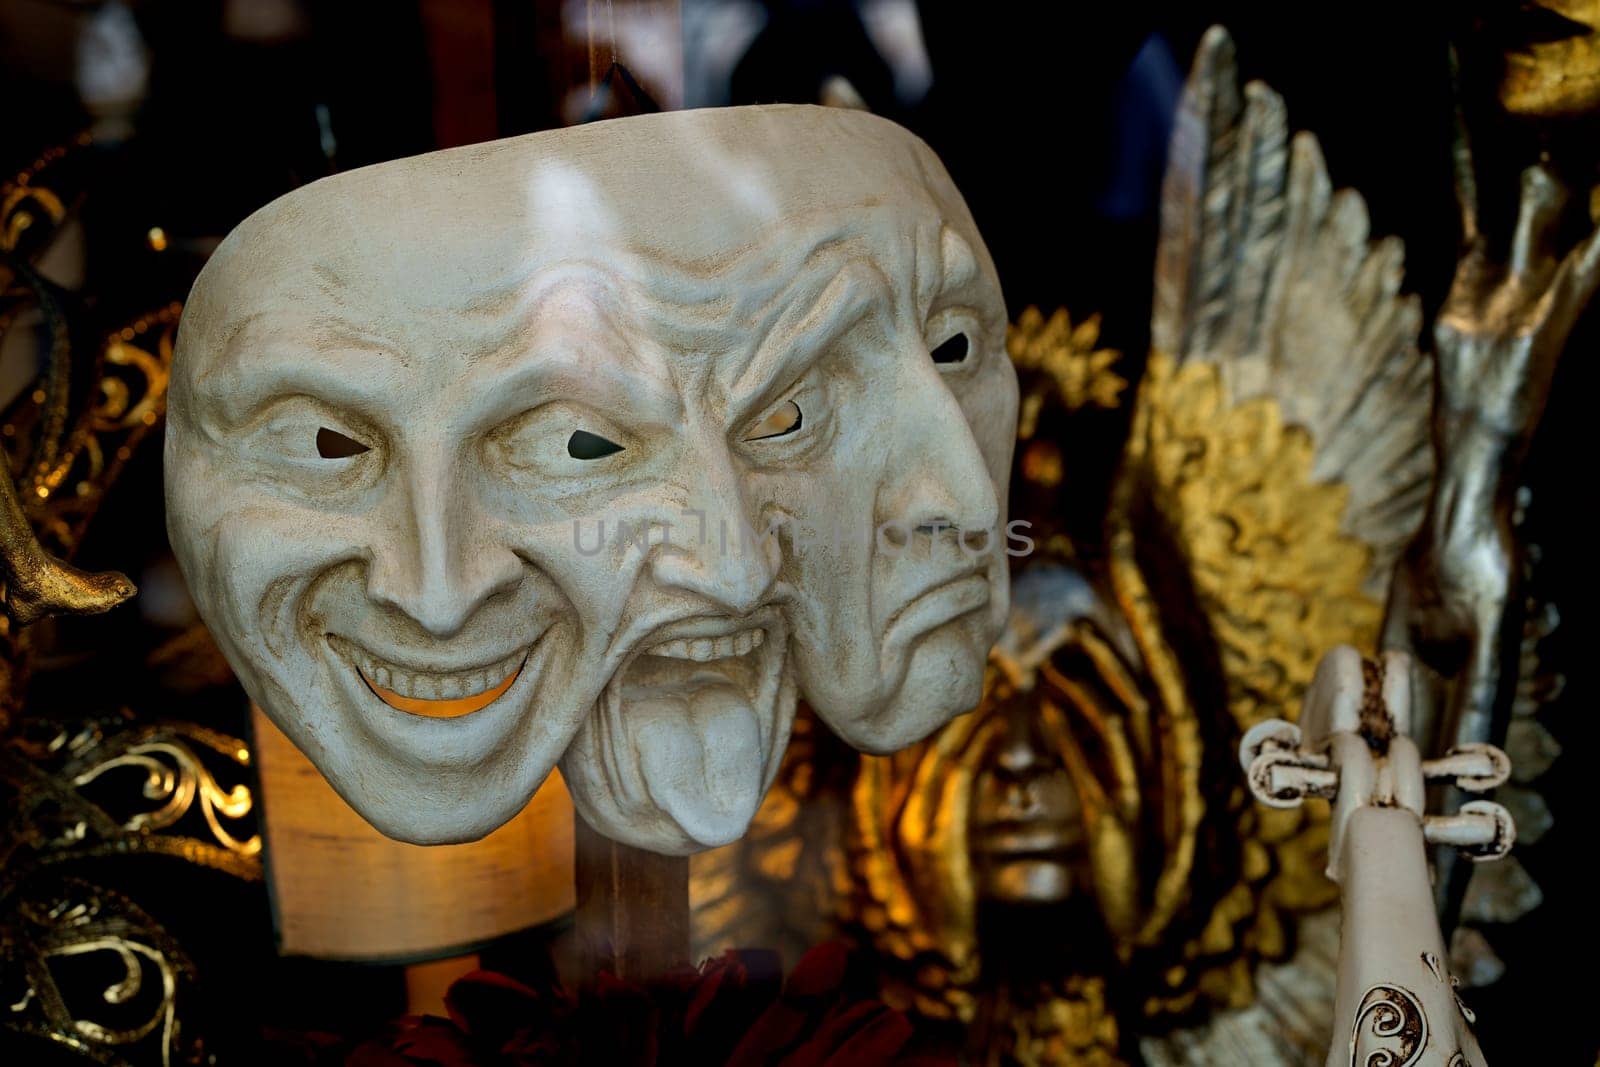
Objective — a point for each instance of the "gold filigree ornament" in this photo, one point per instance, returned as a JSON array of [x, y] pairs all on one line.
[[94, 955], [62, 487], [50, 446], [82, 966], [26, 206], [102, 790]]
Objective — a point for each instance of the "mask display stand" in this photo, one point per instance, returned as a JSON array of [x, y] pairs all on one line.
[[633, 908]]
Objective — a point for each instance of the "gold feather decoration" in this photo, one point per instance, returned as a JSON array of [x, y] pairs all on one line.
[[1278, 463], [1069, 358]]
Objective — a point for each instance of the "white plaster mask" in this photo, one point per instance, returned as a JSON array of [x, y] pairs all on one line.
[[469, 457]]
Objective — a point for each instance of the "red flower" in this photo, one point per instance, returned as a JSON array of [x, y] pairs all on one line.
[[621, 1022], [493, 1008], [816, 1023], [418, 1040], [732, 1010]]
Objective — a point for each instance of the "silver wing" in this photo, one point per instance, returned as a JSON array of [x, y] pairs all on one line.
[[1267, 272]]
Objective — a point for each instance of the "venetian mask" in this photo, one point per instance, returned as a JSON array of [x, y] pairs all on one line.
[[899, 584], [1025, 829], [576, 447], [1018, 805], [1551, 57], [1026, 826]]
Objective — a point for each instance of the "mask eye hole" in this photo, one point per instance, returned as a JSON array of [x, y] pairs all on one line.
[[784, 420], [954, 350], [585, 445], [331, 444]]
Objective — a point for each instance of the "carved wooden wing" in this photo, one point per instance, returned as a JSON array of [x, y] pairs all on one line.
[[1277, 463], [1267, 273], [1279, 458]]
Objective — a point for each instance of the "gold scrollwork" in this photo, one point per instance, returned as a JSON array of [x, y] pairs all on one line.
[[69, 773], [60, 991], [120, 992], [61, 490], [179, 785], [81, 966], [82, 792]]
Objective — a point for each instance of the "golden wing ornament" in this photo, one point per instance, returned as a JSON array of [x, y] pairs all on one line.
[[1279, 460], [1268, 275]]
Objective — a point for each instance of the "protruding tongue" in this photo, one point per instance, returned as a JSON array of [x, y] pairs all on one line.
[[701, 755]]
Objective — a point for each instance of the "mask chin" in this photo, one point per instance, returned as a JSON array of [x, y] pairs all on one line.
[[684, 742], [912, 693]]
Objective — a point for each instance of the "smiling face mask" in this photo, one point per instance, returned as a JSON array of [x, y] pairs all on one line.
[[582, 445]]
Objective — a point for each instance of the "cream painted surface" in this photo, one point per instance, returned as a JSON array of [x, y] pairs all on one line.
[[1396, 1001], [666, 419]]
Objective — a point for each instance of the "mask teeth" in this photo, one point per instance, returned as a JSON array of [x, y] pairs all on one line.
[[706, 649], [421, 685]]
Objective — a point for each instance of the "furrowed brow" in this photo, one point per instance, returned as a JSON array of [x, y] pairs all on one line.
[[240, 390], [618, 389], [956, 265], [807, 324], [582, 348]]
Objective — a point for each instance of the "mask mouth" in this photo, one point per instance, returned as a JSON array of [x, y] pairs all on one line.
[[1027, 856], [689, 722], [942, 601], [1037, 817], [710, 649], [715, 652], [1031, 837], [439, 694]]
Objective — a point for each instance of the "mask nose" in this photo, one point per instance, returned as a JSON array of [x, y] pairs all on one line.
[[1022, 751], [713, 554], [944, 488], [437, 561]]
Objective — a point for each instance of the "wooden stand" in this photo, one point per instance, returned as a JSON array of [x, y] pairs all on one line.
[[633, 908]]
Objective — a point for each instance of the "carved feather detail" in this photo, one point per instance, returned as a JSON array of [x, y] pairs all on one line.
[[1278, 461], [1267, 272]]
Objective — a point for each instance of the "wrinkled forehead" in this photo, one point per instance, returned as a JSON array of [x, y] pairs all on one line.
[[707, 209]]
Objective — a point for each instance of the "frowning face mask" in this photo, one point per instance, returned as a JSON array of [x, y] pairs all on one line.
[[486, 457]]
